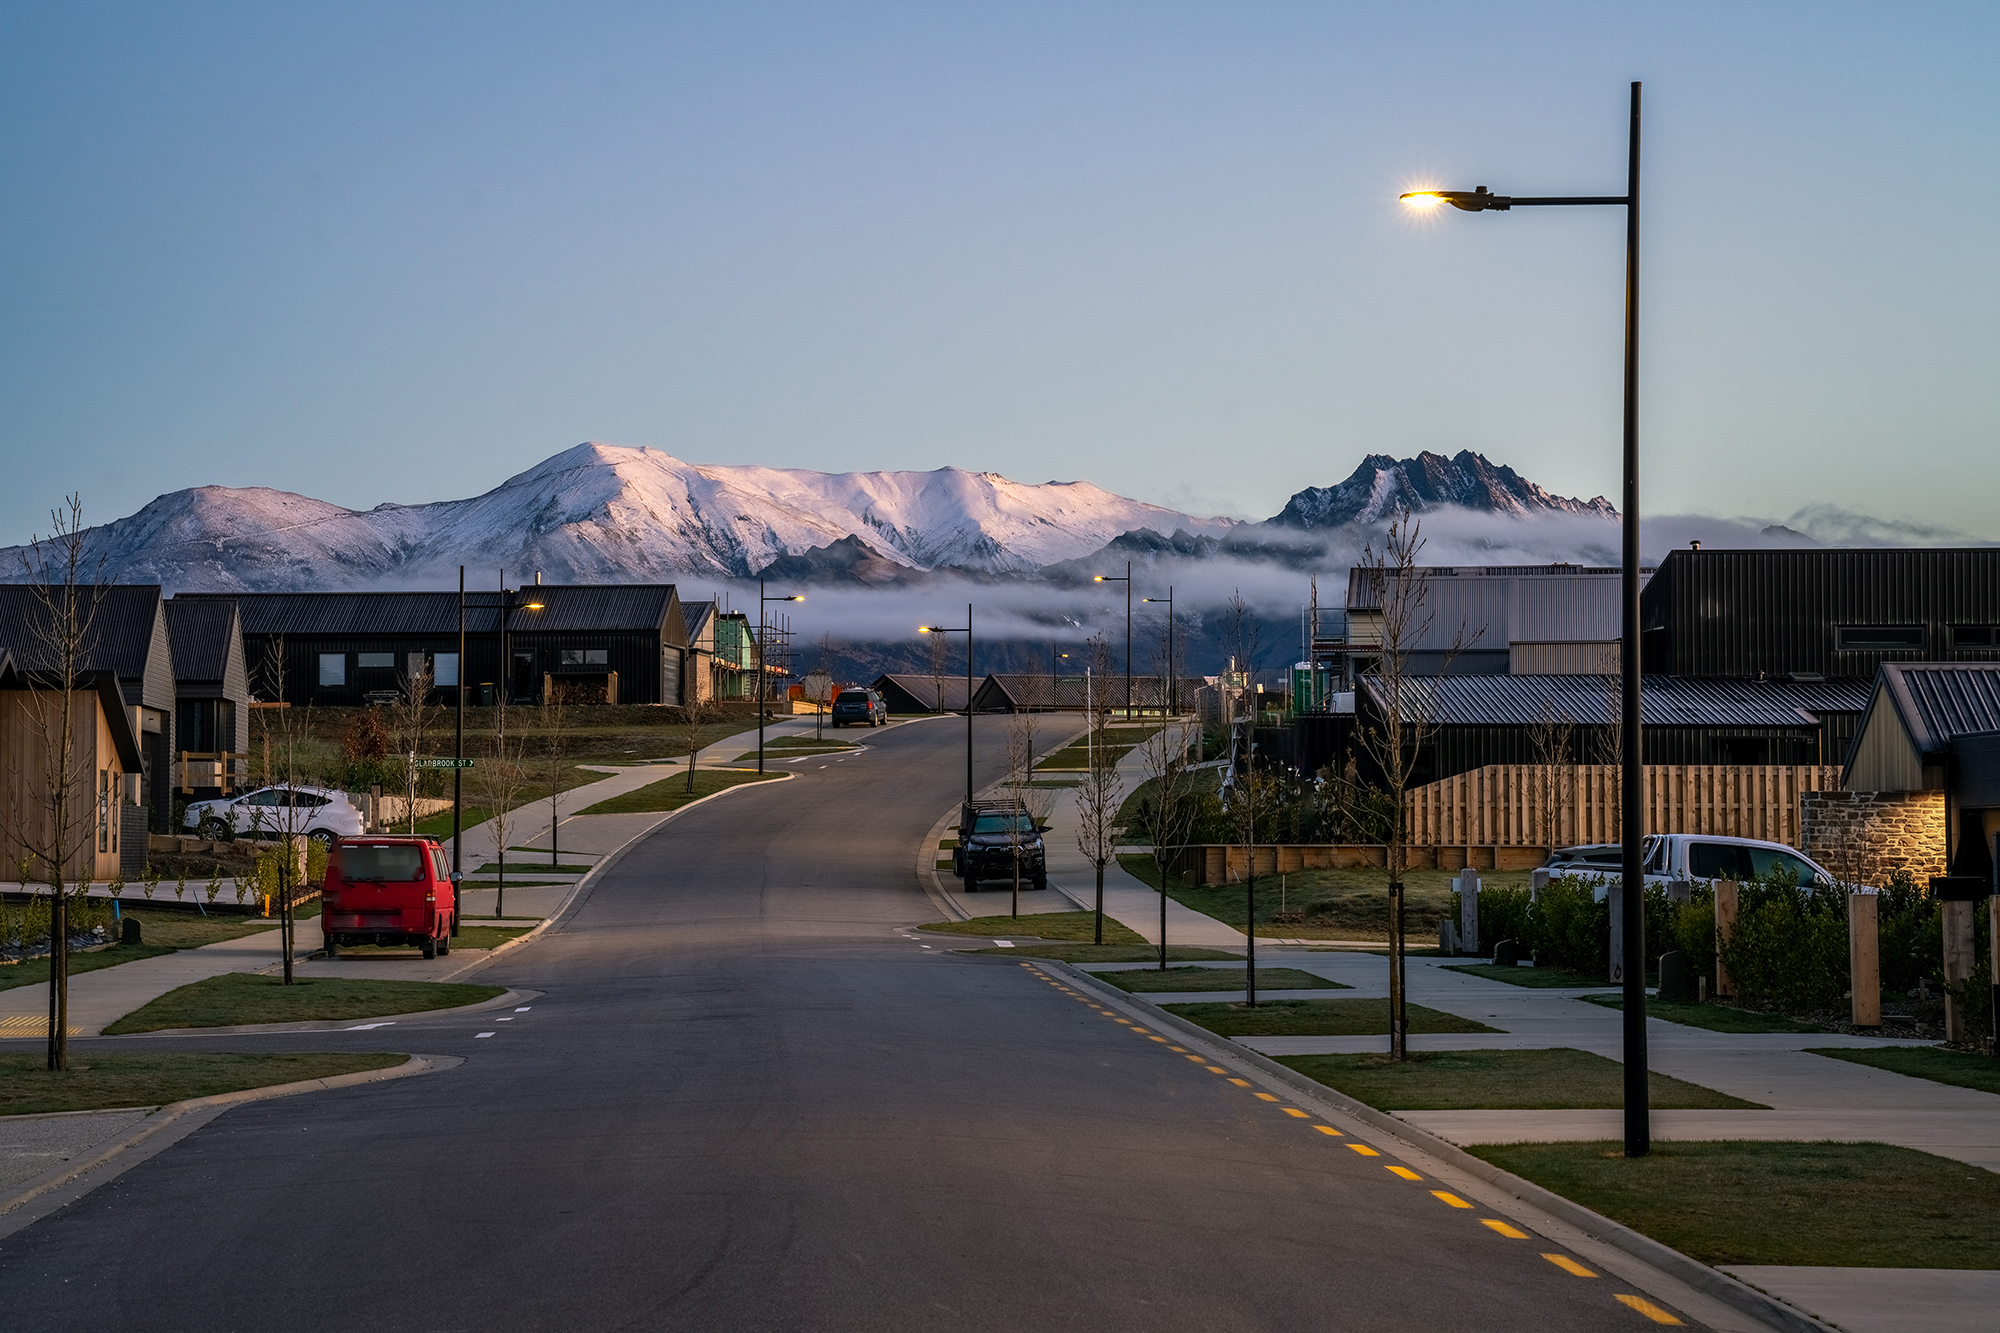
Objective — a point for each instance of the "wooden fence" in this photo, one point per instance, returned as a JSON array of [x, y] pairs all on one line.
[[1538, 805]]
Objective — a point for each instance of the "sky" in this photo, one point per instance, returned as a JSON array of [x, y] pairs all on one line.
[[400, 252]]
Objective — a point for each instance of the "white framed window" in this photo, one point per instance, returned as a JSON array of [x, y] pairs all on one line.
[[333, 668], [444, 669]]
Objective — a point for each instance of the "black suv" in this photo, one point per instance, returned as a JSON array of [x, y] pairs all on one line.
[[985, 848], [862, 706]]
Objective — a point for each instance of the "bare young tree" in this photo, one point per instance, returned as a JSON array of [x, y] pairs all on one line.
[[1406, 719], [1100, 795], [1028, 804], [819, 685], [557, 710], [289, 762], [1170, 814], [692, 717], [410, 720], [1246, 787], [50, 813], [1553, 740], [500, 780]]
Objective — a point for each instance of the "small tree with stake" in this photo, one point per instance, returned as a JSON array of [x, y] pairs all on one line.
[[411, 717], [500, 782], [1027, 805], [285, 732], [1098, 797], [693, 716]]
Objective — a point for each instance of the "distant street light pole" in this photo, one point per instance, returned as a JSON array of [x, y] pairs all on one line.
[[1638, 1130], [1173, 672], [1126, 579], [458, 754], [761, 673], [1053, 655], [966, 630]]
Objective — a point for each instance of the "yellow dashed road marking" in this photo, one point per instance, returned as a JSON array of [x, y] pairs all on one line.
[[1295, 1111], [1364, 1150], [1569, 1265], [1328, 1129], [1510, 1232], [1239, 1082], [1404, 1172], [1450, 1198], [1647, 1308], [1215, 1069], [1264, 1097], [1178, 1050], [1198, 1059]]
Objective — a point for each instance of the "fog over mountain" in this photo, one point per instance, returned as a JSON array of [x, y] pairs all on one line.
[[883, 551]]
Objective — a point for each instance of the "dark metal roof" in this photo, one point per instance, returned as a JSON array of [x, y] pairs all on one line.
[[921, 691], [693, 616], [1027, 689], [1939, 701], [121, 625], [1669, 701], [200, 633], [1364, 583], [566, 608]]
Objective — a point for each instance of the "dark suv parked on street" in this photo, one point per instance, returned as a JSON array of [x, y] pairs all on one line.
[[987, 834], [862, 706]]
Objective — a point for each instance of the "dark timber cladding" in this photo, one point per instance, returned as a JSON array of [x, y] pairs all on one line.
[[1828, 612], [338, 648]]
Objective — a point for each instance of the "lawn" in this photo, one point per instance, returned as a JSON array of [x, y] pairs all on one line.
[[1317, 1018], [164, 931], [1076, 755], [1218, 978], [1710, 1016], [1849, 1205], [1548, 1080], [1338, 904], [672, 793], [237, 998], [1115, 953], [96, 1080], [1075, 927], [1540, 978], [1961, 1069]]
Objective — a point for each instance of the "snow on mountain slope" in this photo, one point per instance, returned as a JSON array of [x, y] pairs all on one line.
[[601, 512], [1469, 480]]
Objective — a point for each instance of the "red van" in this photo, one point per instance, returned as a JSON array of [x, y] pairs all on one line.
[[388, 890]]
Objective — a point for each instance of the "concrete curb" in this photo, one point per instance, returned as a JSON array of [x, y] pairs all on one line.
[[1710, 1282], [186, 1117], [570, 900], [499, 1001]]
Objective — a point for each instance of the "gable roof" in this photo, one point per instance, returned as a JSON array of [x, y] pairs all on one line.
[[1668, 701], [695, 617], [1939, 701], [121, 628], [1005, 691], [905, 692], [202, 634], [566, 608]]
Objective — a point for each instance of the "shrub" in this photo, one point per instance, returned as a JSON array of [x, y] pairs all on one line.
[[1503, 915], [1568, 928], [1789, 948], [1693, 930], [1910, 931], [365, 737]]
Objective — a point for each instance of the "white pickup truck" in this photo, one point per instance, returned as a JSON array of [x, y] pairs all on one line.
[[1672, 858]]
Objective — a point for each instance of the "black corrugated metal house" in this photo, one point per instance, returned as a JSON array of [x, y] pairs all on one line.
[[1936, 727], [908, 693], [211, 695], [623, 643]]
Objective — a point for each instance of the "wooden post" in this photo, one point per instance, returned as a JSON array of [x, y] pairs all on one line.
[[1864, 961], [1467, 884], [1725, 926], [1957, 964]]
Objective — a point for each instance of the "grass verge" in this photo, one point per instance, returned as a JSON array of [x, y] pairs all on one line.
[[672, 793], [1317, 1018], [237, 998], [1219, 978], [1961, 1069], [97, 1080], [1546, 1080], [1337, 904], [1710, 1016], [1849, 1205], [1073, 927], [164, 932], [1114, 953], [1538, 978]]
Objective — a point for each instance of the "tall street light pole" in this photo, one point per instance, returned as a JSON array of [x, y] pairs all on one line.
[[1173, 672], [761, 673], [1126, 579], [1053, 655], [458, 755], [1638, 1131], [966, 630]]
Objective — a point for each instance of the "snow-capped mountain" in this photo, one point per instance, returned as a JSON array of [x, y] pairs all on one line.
[[1425, 482], [601, 512]]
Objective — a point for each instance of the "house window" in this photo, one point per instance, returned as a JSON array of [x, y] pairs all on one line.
[[103, 809], [582, 657], [1975, 636], [375, 661], [333, 668], [444, 669], [1879, 638]]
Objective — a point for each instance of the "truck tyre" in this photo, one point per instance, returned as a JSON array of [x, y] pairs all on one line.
[[428, 946]]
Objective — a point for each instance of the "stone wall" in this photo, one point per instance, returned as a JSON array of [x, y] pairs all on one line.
[[1868, 835]]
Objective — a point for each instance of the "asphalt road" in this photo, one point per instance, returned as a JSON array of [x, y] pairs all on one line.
[[747, 1101]]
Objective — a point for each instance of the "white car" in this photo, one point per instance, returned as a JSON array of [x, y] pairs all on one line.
[[1681, 858], [271, 812]]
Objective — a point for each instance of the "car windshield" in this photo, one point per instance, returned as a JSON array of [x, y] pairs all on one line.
[[384, 861], [1003, 824]]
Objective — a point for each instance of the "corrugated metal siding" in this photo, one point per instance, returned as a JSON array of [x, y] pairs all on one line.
[[201, 633], [1737, 613], [1883, 758], [919, 694], [1669, 701]]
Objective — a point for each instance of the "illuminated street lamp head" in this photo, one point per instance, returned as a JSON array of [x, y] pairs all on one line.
[[1470, 201], [531, 606], [1097, 578]]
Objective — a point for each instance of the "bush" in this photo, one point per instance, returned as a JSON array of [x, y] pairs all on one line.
[[1910, 931], [1568, 928], [1503, 915], [1693, 930], [364, 737], [1789, 948]]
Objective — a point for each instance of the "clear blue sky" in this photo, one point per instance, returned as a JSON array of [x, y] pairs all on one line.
[[398, 252]]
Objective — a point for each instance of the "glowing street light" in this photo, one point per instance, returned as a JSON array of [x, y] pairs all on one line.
[[966, 630]]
